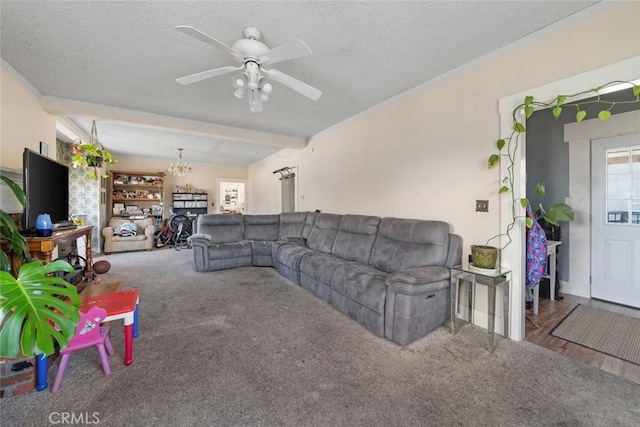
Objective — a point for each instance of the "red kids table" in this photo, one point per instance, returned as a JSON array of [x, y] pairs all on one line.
[[119, 305]]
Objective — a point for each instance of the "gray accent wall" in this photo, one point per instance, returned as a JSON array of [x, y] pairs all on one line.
[[548, 160]]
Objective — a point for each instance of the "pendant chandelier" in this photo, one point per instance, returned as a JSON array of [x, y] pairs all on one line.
[[180, 167]]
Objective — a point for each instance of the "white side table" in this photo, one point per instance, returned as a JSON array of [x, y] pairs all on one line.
[[492, 280], [552, 246]]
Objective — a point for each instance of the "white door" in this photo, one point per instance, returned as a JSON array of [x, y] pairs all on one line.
[[615, 226]]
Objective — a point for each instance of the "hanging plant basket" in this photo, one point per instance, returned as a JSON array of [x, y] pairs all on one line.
[[95, 162], [91, 156]]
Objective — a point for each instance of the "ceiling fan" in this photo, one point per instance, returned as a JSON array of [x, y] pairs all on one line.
[[253, 56]]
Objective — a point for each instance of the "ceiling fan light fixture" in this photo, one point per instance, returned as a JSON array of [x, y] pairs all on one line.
[[253, 55], [180, 167]]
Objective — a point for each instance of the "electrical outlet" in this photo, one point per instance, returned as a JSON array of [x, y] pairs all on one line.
[[482, 206]]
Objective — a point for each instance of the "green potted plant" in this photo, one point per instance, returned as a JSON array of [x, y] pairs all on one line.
[[31, 302], [507, 148], [91, 155]]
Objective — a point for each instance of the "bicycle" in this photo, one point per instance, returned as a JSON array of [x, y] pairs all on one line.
[[175, 231]]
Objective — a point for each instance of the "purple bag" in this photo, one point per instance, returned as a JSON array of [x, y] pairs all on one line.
[[536, 252]]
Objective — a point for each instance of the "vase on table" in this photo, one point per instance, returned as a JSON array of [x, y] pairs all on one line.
[[44, 226]]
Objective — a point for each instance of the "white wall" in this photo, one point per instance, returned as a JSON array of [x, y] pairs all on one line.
[[264, 193], [203, 175], [23, 123], [424, 155]]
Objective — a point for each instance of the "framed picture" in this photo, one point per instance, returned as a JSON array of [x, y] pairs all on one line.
[[44, 148], [131, 209], [118, 208]]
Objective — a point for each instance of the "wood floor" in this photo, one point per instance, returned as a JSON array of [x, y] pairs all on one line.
[[550, 313]]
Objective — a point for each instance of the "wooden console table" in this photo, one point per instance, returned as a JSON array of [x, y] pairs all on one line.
[[42, 247]]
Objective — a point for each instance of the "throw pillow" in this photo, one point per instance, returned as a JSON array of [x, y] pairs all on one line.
[[128, 229]]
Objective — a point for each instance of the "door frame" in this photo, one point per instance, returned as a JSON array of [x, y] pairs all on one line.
[[513, 257], [579, 136]]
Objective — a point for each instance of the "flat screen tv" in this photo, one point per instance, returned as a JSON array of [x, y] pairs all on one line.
[[46, 186]]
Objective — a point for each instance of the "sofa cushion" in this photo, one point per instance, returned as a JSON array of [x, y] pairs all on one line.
[[308, 224], [291, 255], [347, 271], [324, 232], [291, 224], [409, 243], [365, 289], [129, 238], [140, 224], [222, 228], [355, 237], [261, 227], [321, 267], [229, 250]]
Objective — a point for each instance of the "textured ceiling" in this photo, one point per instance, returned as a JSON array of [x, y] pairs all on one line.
[[125, 55]]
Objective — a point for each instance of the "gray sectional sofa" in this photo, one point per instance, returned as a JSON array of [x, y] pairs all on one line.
[[392, 275]]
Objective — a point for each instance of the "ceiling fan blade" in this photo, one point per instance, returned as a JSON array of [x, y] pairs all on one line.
[[255, 103], [290, 50], [192, 78], [210, 40], [295, 84]]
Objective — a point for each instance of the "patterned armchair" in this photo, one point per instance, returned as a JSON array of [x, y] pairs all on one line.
[[142, 240]]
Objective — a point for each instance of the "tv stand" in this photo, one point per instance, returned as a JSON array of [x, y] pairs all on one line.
[[42, 247]]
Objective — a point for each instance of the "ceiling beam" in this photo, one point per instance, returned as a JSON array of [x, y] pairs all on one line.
[[64, 107]]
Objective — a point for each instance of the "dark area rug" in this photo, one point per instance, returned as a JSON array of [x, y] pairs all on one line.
[[611, 333], [246, 347]]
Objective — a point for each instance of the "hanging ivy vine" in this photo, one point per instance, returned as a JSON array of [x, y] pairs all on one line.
[[507, 148]]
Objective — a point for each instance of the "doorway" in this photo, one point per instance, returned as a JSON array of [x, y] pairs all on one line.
[[513, 256], [580, 137], [231, 196], [615, 226]]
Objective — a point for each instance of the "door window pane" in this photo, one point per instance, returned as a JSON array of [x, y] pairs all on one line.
[[617, 161], [618, 186], [623, 185], [635, 211], [635, 159]]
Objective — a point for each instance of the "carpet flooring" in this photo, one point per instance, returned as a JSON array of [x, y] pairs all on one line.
[[601, 330], [246, 347]]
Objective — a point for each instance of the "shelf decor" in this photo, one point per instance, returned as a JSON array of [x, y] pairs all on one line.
[[136, 194]]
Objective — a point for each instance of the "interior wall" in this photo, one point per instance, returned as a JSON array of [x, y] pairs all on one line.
[[423, 155], [203, 175], [84, 195], [264, 193], [23, 123]]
